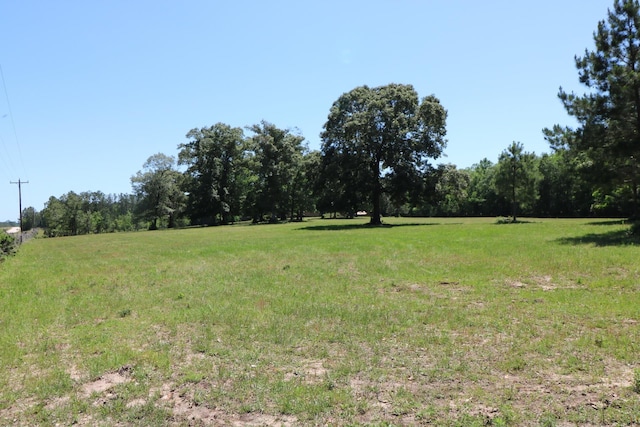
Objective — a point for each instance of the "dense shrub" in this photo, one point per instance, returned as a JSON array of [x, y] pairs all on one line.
[[7, 245]]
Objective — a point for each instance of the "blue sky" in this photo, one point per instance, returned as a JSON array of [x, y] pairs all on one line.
[[95, 88]]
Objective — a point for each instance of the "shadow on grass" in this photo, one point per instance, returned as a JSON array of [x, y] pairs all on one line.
[[610, 222], [336, 227], [507, 222], [611, 238]]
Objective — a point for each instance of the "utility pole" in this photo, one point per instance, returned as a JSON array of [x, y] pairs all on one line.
[[20, 201]]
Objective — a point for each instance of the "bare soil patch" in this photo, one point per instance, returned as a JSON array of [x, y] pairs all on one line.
[[106, 381]]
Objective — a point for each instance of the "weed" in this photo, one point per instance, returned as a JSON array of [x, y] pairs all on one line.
[[515, 364], [548, 419], [503, 220]]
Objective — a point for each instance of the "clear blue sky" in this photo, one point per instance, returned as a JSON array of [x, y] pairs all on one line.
[[95, 88]]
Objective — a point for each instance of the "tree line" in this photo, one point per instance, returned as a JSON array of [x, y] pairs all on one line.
[[377, 155], [228, 178]]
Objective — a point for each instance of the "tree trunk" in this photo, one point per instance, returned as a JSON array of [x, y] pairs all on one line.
[[375, 197], [375, 215], [293, 211], [634, 208], [514, 206]]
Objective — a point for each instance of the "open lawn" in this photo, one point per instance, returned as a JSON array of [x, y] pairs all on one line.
[[456, 322]]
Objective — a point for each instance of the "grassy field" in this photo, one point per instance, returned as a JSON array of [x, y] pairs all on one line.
[[456, 322]]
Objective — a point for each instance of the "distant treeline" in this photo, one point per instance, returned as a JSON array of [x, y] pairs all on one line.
[[229, 178], [85, 213], [378, 147]]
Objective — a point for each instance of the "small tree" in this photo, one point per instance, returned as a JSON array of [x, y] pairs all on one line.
[[7, 245], [516, 177], [158, 187], [482, 198], [451, 190]]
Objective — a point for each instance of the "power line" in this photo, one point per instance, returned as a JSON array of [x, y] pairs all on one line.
[[13, 124], [5, 157], [7, 164]]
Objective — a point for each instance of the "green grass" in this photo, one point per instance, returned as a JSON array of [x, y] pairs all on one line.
[[424, 321]]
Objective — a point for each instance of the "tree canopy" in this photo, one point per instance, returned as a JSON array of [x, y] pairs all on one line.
[[383, 130], [158, 188], [215, 176], [607, 140], [378, 144], [515, 177]]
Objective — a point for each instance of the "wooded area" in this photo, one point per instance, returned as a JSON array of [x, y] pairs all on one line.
[[377, 154]]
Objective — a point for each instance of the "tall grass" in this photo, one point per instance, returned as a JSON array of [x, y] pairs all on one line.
[[444, 321]]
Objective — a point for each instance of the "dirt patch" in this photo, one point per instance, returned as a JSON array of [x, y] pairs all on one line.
[[545, 283], [442, 289], [184, 408], [516, 284], [57, 402], [264, 420], [74, 373], [106, 381], [572, 391], [311, 372]]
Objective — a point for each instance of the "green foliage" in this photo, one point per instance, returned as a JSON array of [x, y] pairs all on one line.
[[451, 190], [548, 420], [483, 199], [563, 190], [158, 188], [7, 245], [30, 219], [88, 213], [277, 159], [612, 202], [124, 312], [516, 178], [386, 128], [267, 175], [217, 173], [607, 140]]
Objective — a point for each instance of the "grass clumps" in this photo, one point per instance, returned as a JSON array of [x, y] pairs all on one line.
[[447, 322], [636, 381]]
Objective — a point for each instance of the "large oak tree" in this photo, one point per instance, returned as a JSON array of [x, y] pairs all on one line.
[[383, 131], [275, 159], [216, 175]]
